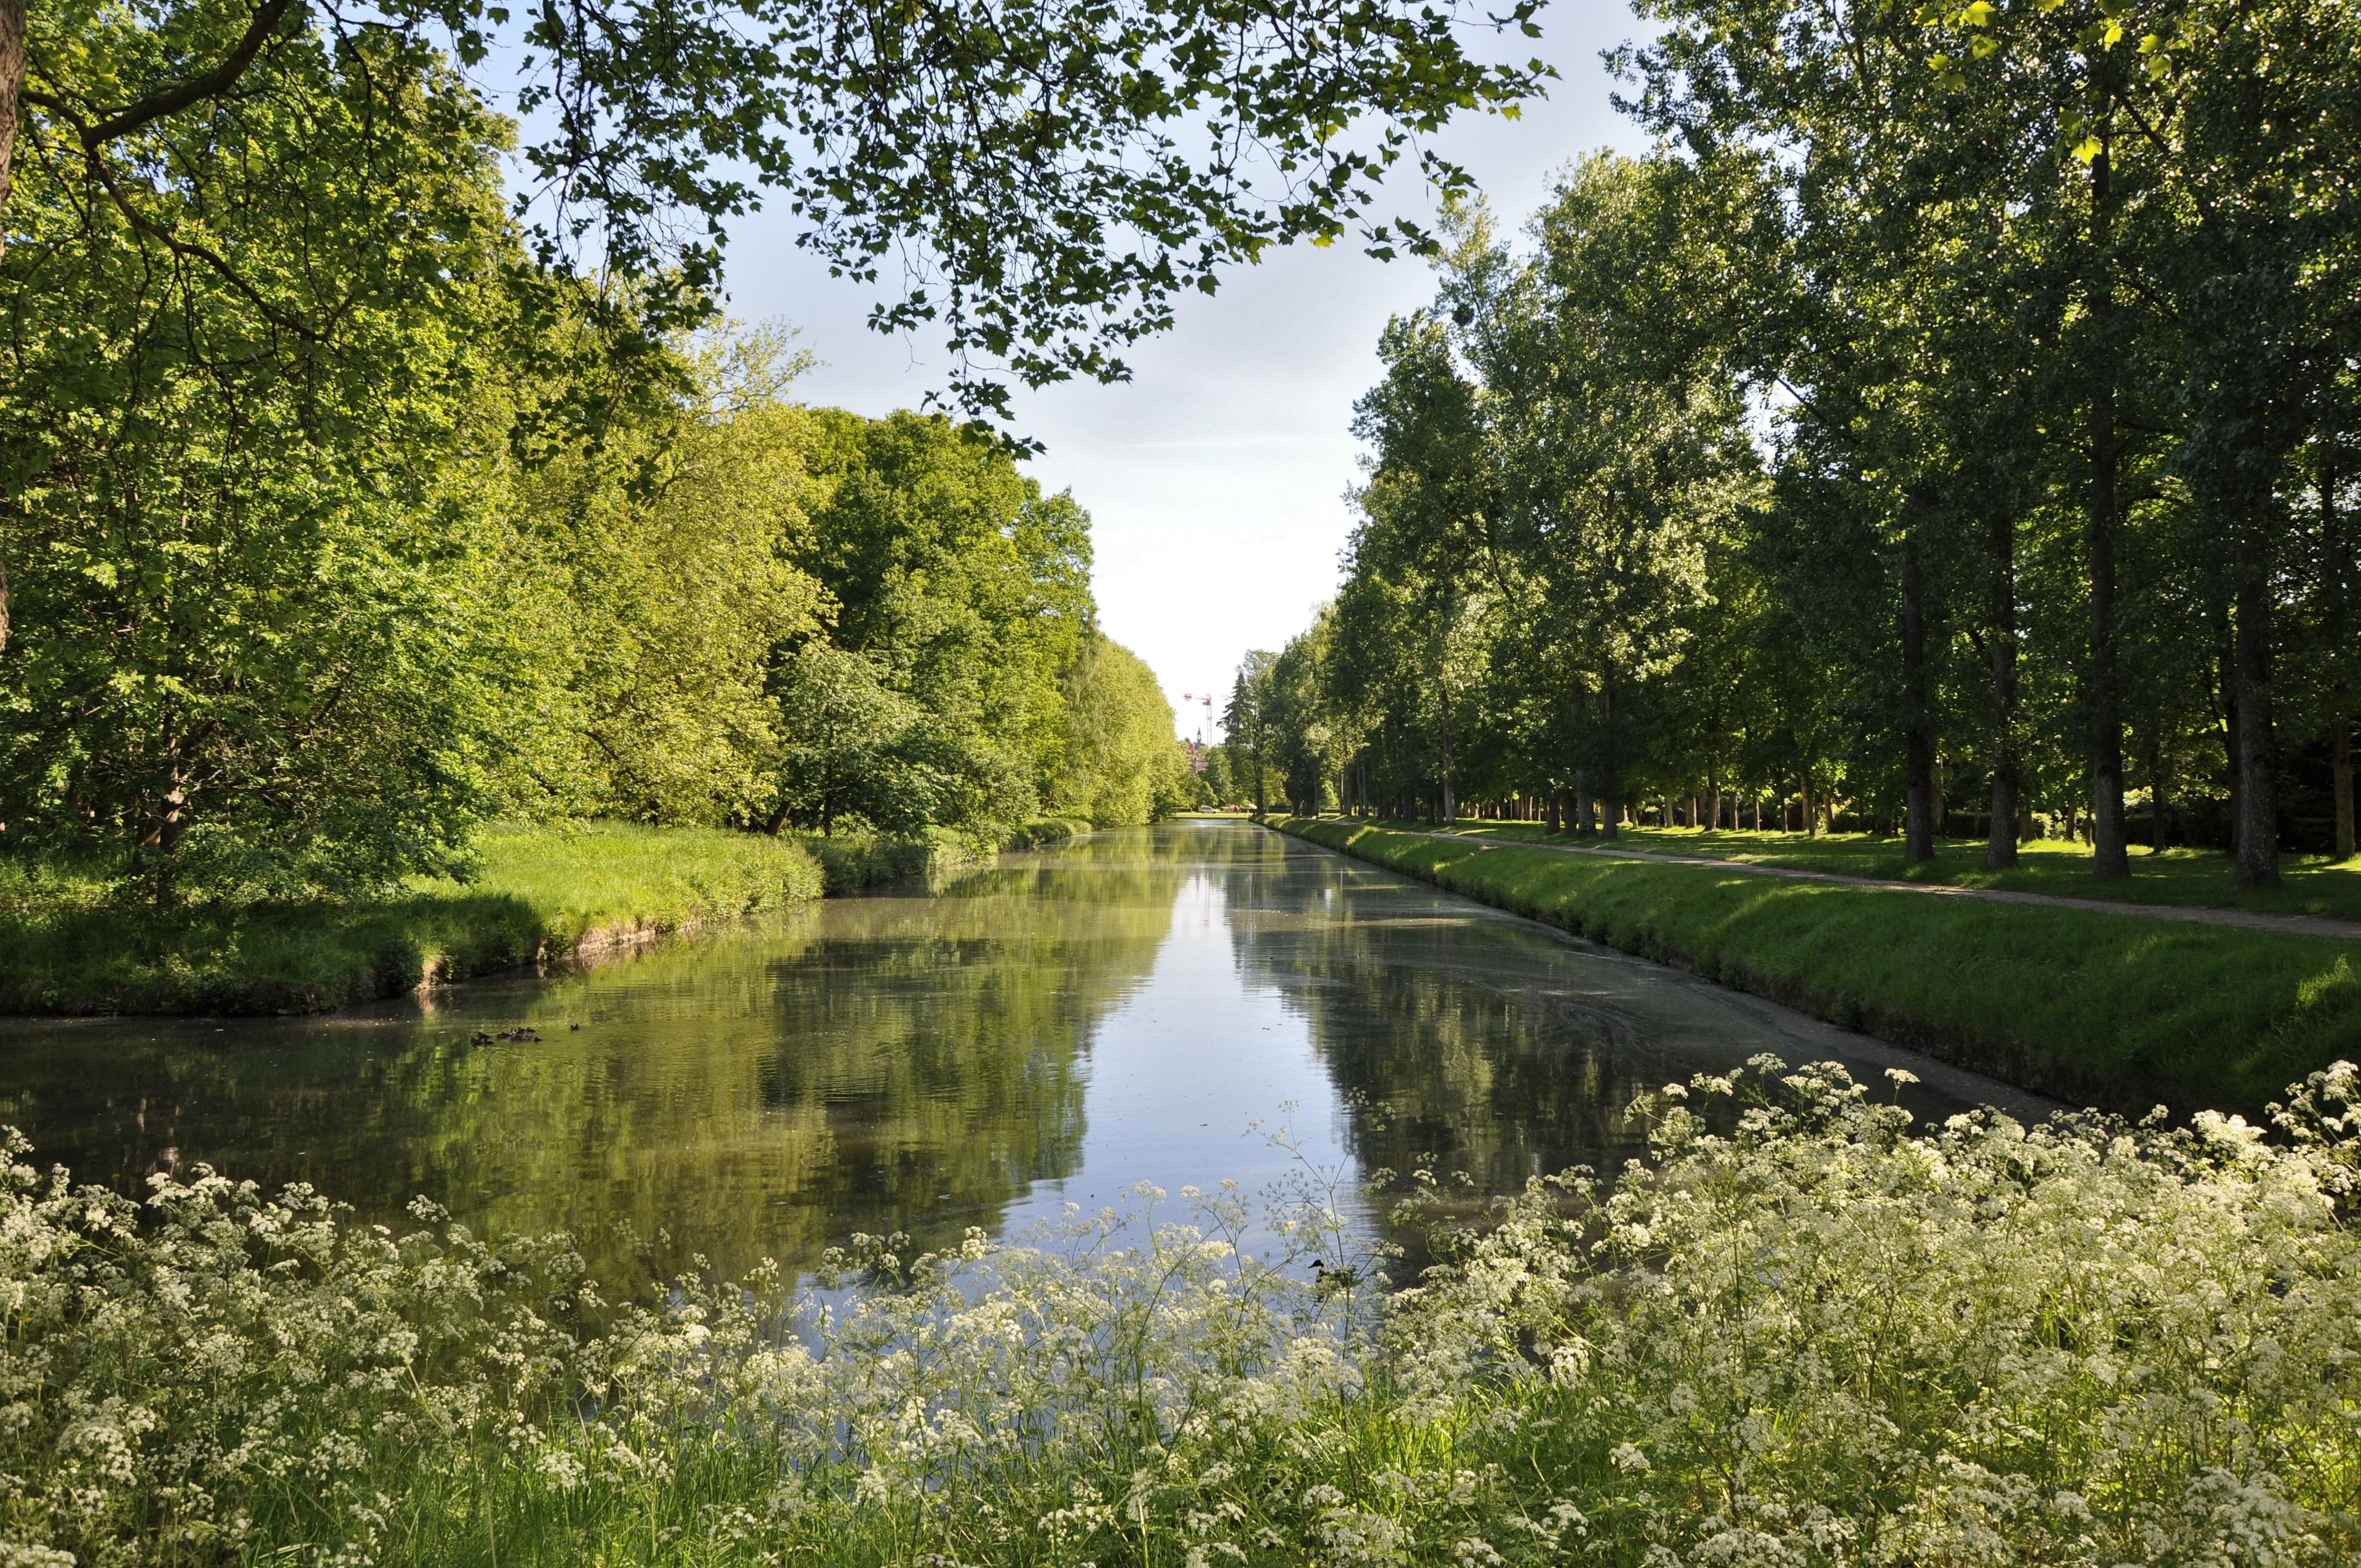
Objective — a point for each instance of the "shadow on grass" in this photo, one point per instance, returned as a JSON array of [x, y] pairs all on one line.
[[2313, 884]]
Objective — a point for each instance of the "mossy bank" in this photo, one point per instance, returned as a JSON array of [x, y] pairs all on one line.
[[2094, 1007], [542, 894]]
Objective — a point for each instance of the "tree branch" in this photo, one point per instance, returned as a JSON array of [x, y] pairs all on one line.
[[196, 89], [142, 224]]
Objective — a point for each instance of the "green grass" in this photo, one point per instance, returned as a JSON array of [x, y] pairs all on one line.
[[2315, 885], [2087, 1005], [80, 946], [73, 944]]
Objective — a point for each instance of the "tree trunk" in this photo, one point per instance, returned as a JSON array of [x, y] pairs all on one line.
[[2111, 854], [2259, 763], [12, 90], [1450, 805], [2000, 846], [1811, 823], [2343, 768], [1919, 740], [164, 832], [1610, 773], [163, 837], [2225, 676], [2340, 566], [2156, 796]]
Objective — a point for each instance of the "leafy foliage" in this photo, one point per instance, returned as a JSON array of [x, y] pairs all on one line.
[[1050, 176], [250, 600], [1122, 766], [1949, 427]]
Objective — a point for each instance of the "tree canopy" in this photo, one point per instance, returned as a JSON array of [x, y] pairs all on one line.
[[1046, 178], [1950, 425]]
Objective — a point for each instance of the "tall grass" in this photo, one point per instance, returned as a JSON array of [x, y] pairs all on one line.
[[1815, 1336], [85, 945], [614, 877]]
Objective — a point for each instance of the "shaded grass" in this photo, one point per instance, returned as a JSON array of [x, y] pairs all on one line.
[[2200, 878], [2088, 1005], [76, 944]]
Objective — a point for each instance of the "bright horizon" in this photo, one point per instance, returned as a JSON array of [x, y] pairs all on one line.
[[1216, 478]]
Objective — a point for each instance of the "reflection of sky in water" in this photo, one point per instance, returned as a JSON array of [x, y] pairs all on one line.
[[1184, 1068], [1052, 1031]]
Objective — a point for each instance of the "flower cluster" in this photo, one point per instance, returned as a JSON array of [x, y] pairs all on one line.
[[1802, 1332]]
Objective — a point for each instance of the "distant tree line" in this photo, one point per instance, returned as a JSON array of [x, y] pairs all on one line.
[[1956, 418]]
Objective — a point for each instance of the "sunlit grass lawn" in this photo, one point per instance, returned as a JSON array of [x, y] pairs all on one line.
[[2315, 885]]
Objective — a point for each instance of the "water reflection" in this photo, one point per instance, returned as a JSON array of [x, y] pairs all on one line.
[[1046, 1032]]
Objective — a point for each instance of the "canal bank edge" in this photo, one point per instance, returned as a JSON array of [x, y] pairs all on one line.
[[2096, 1008], [576, 894]]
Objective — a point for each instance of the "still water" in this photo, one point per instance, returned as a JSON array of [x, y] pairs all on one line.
[[1120, 1009]]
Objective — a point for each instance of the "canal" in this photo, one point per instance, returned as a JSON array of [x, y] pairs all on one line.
[[1133, 1006]]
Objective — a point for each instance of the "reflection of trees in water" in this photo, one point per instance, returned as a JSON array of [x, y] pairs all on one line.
[[1450, 1053], [880, 1064], [1132, 861]]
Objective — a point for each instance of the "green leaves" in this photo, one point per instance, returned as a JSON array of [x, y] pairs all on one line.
[[1051, 175], [248, 612], [1122, 767]]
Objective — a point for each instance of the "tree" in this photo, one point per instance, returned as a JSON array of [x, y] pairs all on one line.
[[841, 729], [1218, 784], [1122, 766], [1430, 508], [667, 555], [252, 615], [968, 587], [1033, 168], [1244, 723], [1623, 454]]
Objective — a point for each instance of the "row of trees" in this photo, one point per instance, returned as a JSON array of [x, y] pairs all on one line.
[[1958, 413], [327, 545]]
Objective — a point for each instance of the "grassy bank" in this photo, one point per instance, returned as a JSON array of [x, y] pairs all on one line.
[[1815, 1340], [2200, 878], [69, 946], [2090, 1006]]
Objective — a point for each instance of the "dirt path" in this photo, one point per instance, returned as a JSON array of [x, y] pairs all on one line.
[[2249, 919]]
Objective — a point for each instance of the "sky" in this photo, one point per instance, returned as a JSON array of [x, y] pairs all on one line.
[[1216, 478]]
